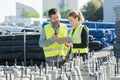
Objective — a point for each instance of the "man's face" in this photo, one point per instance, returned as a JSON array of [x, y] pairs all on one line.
[[55, 19]]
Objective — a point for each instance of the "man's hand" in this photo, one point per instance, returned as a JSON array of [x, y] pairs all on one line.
[[68, 43], [55, 36]]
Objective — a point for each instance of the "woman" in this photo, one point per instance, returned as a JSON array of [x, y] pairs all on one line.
[[79, 33]]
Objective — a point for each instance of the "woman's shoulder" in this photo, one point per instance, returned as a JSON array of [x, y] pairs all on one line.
[[85, 27]]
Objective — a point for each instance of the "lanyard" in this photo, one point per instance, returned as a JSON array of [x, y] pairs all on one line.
[[73, 32]]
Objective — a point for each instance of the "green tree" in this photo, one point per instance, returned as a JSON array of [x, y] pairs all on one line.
[[93, 11], [30, 14], [45, 14], [64, 13]]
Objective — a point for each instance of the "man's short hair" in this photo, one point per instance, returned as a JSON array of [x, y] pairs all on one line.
[[52, 11]]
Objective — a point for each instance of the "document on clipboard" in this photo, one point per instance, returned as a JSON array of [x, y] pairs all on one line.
[[61, 40]]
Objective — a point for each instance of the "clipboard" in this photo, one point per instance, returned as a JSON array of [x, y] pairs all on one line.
[[61, 40]]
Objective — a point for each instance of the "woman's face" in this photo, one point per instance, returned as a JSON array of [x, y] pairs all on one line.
[[73, 21]]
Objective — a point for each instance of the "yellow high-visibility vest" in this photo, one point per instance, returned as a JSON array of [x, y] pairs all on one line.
[[77, 39], [55, 49]]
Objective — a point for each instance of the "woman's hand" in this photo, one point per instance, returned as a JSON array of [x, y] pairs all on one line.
[[68, 43]]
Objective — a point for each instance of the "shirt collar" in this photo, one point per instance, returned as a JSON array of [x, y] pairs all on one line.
[[54, 25]]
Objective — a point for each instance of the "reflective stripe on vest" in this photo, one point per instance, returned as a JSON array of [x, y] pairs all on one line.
[[77, 39], [55, 49]]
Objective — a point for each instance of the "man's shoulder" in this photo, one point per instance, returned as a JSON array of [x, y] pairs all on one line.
[[47, 25]]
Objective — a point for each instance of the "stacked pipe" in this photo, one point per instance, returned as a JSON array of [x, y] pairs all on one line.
[[23, 46], [93, 44], [12, 47]]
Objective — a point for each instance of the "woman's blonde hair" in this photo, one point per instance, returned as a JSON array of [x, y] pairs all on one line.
[[77, 14]]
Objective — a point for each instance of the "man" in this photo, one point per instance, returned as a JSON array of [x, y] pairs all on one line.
[[50, 33]]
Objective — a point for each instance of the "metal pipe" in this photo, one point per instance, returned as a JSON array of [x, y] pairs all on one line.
[[22, 69], [70, 65], [4, 70], [115, 70], [61, 69], [69, 78], [31, 77], [42, 64], [15, 63], [96, 67], [93, 66], [99, 63], [6, 63], [22, 63], [58, 64], [76, 55], [46, 66], [40, 72], [35, 67], [25, 70], [85, 57], [6, 76], [25, 48], [117, 66], [31, 62], [79, 53], [52, 64], [65, 68], [10, 76], [74, 63], [92, 52]]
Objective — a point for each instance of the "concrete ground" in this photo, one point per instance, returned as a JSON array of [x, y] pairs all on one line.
[[103, 52]]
